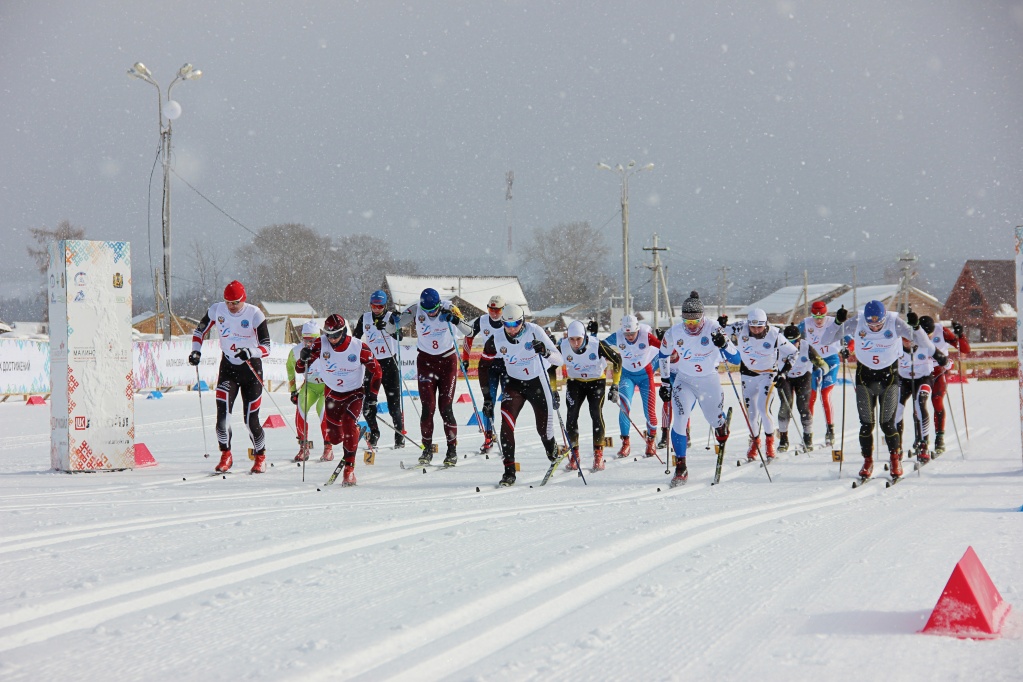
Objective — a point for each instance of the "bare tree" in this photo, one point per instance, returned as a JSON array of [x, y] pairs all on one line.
[[210, 266], [568, 260], [287, 263], [361, 263], [42, 236]]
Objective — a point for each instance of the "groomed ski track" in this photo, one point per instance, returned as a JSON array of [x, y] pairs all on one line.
[[422, 577]]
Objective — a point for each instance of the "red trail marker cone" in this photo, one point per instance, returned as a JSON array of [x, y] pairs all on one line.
[[970, 606]]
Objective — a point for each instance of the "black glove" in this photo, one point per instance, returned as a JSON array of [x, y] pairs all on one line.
[[541, 349], [719, 339], [612, 393], [244, 354], [592, 327], [380, 322], [780, 377], [844, 353], [723, 320], [659, 333], [786, 366], [464, 365], [840, 315], [557, 400], [665, 392], [913, 320], [305, 354], [193, 358], [488, 409], [294, 397], [957, 329], [927, 324], [940, 358]]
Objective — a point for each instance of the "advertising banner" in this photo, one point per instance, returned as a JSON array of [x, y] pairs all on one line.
[[24, 367]]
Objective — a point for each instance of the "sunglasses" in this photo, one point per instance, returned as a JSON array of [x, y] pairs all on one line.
[[233, 302], [818, 317], [512, 325]]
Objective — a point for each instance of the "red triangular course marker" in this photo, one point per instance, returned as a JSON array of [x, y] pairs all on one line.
[[970, 606], [464, 398], [35, 400], [274, 421], [143, 457]]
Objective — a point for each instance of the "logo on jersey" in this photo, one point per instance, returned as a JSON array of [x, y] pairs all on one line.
[[679, 343], [745, 339], [920, 356], [766, 344], [245, 324], [622, 346], [351, 357], [569, 358], [593, 356], [863, 335], [642, 346], [422, 318], [704, 341], [486, 332], [803, 358], [220, 320], [504, 350], [326, 356], [888, 333], [529, 345]]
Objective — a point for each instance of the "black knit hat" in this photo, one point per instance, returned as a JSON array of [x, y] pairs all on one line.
[[692, 307]]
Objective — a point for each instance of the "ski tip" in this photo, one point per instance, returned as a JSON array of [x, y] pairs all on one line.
[[317, 490], [887, 484], [183, 478], [658, 490], [477, 488]]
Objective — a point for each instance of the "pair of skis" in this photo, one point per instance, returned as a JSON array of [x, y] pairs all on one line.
[[719, 449]]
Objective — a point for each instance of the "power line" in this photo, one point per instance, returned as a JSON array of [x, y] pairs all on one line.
[[210, 201]]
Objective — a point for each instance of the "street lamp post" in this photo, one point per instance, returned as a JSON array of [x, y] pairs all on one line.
[[625, 173], [168, 114]]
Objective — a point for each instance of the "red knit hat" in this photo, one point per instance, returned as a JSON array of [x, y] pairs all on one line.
[[234, 291], [818, 308]]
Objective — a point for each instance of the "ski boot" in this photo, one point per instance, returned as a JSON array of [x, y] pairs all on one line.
[[573, 459], [508, 478], [807, 442], [488, 442], [769, 446], [783, 441], [259, 463], [598, 459], [754, 447], [399, 441], [922, 455], [895, 468], [651, 449], [427, 456], [303, 450], [626, 449], [451, 456], [225, 462], [663, 442], [328, 452], [868, 467], [348, 479], [939, 442], [721, 433], [681, 473], [829, 436]]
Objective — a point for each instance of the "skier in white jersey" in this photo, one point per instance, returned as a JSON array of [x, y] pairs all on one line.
[[794, 388], [527, 351], [372, 328], [638, 346], [916, 383], [691, 350], [877, 335], [765, 354], [436, 367], [245, 341], [822, 381]]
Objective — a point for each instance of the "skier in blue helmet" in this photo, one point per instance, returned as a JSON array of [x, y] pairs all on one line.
[[878, 336], [378, 329]]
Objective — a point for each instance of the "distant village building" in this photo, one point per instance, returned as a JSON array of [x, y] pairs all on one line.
[[284, 319], [469, 293], [893, 297], [983, 299], [792, 303], [150, 323]]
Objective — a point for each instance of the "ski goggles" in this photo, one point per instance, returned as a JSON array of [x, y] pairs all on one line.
[[513, 326], [693, 324], [376, 307], [819, 317], [874, 323]]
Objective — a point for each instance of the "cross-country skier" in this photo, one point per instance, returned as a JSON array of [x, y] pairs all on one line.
[[372, 328], [765, 357], [916, 383], [586, 359], [638, 346], [942, 338], [525, 348], [311, 394], [436, 367], [794, 388], [877, 335], [692, 350], [823, 380], [489, 370], [245, 341], [342, 361]]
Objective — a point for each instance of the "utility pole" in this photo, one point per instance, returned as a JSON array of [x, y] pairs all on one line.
[[656, 267], [723, 292], [157, 298], [509, 178], [855, 307], [907, 259]]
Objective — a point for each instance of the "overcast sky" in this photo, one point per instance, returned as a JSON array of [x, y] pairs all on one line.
[[834, 129]]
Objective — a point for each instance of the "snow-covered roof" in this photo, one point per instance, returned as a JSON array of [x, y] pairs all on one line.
[[1005, 310], [787, 298], [287, 309], [142, 317], [876, 292], [405, 289]]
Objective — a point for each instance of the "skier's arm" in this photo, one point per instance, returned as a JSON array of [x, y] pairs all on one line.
[[358, 331], [959, 342], [834, 331], [373, 368], [203, 328], [292, 385], [408, 316], [817, 360], [916, 336], [263, 338], [614, 358]]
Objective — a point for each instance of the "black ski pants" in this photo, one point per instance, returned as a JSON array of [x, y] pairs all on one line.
[[247, 379], [592, 392], [391, 383], [877, 392]]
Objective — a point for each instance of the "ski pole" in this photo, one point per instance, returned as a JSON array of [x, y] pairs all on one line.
[[468, 386], [962, 393], [841, 442], [392, 428], [202, 414], [742, 408], [956, 429], [276, 406], [792, 415]]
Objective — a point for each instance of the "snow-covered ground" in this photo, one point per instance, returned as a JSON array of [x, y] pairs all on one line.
[[164, 574]]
